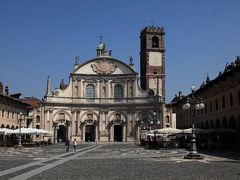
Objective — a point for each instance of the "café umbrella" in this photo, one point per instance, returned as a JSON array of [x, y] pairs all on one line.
[[24, 131], [30, 131], [5, 131], [169, 131]]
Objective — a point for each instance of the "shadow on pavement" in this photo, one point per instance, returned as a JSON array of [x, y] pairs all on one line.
[[230, 154]]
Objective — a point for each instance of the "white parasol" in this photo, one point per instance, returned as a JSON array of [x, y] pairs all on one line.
[[169, 131]]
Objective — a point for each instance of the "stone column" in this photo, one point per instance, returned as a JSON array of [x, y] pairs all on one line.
[[112, 133], [96, 133], [79, 88], [83, 133], [138, 133], [43, 125], [50, 119], [124, 132], [77, 123], [73, 124]]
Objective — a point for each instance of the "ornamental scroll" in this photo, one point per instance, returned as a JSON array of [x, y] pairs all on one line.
[[103, 67]]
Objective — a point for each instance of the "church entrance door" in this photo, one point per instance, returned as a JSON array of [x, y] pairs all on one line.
[[61, 134], [89, 133], [118, 133]]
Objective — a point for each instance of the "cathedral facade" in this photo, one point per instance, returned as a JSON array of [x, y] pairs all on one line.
[[105, 100]]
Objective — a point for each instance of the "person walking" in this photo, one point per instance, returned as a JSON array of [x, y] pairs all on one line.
[[67, 145], [74, 145]]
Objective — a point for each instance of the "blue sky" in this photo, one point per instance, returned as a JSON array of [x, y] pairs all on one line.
[[41, 38]]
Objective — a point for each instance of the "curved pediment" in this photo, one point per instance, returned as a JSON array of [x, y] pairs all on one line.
[[104, 66]]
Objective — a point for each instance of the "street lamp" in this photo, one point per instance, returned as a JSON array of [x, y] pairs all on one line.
[[156, 118], [151, 123], [157, 121], [20, 124], [194, 103]]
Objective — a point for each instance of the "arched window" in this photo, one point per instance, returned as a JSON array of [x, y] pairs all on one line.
[[210, 106], [202, 125], [197, 125], [216, 104], [90, 91], [167, 119], [206, 125], [223, 102], [231, 99], [37, 119], [155, 42], [118, 91], [211, 124], [239, 97], [224, 123], [232, 123], [218, 123]]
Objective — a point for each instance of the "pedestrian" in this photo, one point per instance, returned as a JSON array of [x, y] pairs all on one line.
[[74, 145], [67, 145]]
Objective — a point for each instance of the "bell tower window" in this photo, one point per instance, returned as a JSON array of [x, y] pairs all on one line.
[[155, 42]]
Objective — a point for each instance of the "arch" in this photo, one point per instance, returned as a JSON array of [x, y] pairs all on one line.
[[37, 119], [12, 127], [8, 126], [224, 123], [202, 125], [217, 123], [232, 123], [216, 104], [167, 119], [95, 115], [238, 123], [155, 42], [118, 91], [238, 97], [2, 126], [223, 102], [37, 126], [90, 91], [230, 99], [211, 107], [211, 124], [123, 115], [55, 115], [197, 125], [206, 125]]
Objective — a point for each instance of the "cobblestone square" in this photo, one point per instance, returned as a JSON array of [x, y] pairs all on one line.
[[114, 161]]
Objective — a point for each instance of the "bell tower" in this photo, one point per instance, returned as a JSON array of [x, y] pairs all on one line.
[[152, 60]]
